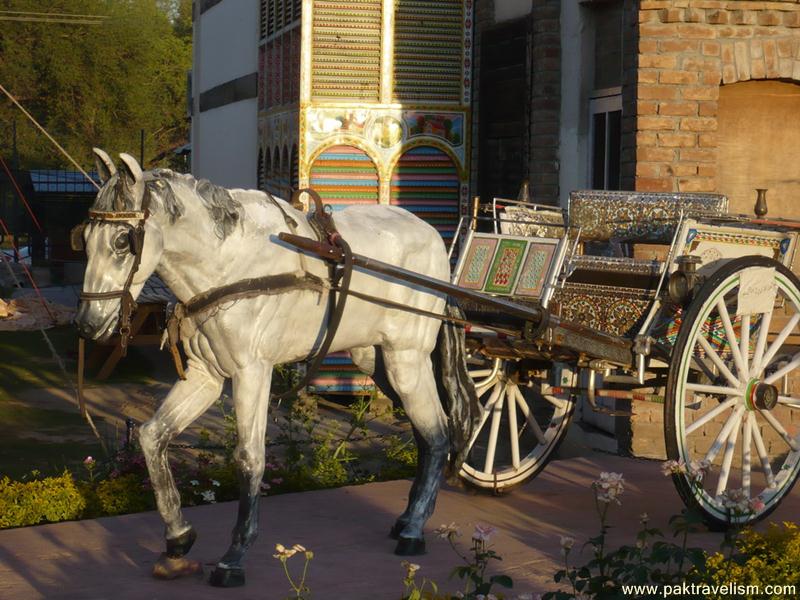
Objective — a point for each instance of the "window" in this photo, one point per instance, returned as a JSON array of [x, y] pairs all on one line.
[[605, 134]]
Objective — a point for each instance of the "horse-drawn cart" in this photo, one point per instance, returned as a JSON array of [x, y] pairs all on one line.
[[635, 297]]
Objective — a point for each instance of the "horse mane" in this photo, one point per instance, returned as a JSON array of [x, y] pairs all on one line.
[[164, 186]]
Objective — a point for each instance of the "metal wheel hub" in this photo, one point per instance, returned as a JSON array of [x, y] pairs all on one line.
[[759, 395]]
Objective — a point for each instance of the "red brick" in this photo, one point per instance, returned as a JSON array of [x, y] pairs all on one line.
[[693, 63], [698, 155], [697, 184], [657, 61], [698, 124], [726, 32], [648, 153], [658, 123], [743, 17], [648, 46], [717, 17], [707, 170], [729, 74], [791, 19], [677, 109], [646, 138], [678, 77], [672, 15], [677, 140], [661, 92], [746, 32], [711, 48], [692, 15], [655, 4], [711, 77], [707, 140], [784, 47], [650, 16], [647, 30], [648, 76], [678, 45], [769, 18], [653, 184], [646, 169], [707, 109], [707, 32], [700, 92], [647, 107], [758, 69]]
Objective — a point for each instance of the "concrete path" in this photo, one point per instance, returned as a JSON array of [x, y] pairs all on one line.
[[346, 528]]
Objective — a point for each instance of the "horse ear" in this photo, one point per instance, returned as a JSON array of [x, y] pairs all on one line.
[[131, 168], [105, 167]]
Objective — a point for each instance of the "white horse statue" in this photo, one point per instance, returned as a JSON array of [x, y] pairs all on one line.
[[200, 238]]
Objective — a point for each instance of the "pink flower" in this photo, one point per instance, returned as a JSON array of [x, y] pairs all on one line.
[[89, 461], [483, 533]]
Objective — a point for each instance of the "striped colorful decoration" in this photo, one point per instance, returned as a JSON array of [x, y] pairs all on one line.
[[346, 50], [428, 50], [425, 181], [345, 175]]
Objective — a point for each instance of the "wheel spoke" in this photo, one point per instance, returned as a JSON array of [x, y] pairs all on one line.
[[713, 389], [723, 434], [778, 342], [732, 342], [498, 388], [747, 437], [762, 451], [722, 482], [513, 432], [710, 415], [770, 418], [744, 343], [497, 412], [789, 401], [761, 343], [712, 354], [523, 406], [557, 402], [791, 365]]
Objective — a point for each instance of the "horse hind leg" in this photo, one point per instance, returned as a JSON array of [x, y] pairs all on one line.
[[187, 400], [411, 375], [370, 361], [251, 399]]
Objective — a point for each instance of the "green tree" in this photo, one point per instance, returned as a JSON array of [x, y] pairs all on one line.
[[96, 85]]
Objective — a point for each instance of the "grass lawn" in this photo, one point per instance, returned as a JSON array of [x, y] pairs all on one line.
[[47, 439]]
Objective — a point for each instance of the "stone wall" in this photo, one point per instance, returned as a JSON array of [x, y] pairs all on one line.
[[686, 50]]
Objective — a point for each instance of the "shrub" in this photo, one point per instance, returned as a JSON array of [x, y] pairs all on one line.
[[759, 559], [123, 495], [50, 499]]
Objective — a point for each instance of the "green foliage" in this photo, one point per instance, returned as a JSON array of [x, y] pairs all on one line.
[[760, 559], [97, 85], [123, 495], [50, 499]]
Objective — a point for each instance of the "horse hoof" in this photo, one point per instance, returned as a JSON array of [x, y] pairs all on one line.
[[167, 567], [180, 546], [410, 546], [222, 577], [394, 532]]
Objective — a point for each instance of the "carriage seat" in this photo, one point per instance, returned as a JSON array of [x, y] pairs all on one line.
[[647, 217]]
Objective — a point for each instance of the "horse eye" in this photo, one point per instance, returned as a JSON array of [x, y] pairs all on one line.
[[122, 242]]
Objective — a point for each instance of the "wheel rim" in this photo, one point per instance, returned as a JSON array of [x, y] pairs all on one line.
[[729, 369], [497, 459]]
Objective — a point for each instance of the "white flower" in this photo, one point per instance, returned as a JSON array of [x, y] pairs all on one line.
[[209, 496], [644, 518], [448, 531], [566, 544], [411, 568], [194, 482], [673, 467], [215, 483], [609, 487], [483, 533], [698, 469], [283, 552]]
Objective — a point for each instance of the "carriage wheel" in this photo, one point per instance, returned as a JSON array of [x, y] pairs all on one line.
[[733, 393], [519, 430]]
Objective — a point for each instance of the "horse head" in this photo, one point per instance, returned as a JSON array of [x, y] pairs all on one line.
[[123, 246]]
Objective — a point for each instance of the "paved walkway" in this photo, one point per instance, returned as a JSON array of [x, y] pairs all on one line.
[[111, 558]]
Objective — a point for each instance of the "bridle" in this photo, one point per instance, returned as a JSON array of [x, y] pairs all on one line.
[[135, 245]]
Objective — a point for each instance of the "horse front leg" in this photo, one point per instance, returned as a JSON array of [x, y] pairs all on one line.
[[186, 401], [251, 400]]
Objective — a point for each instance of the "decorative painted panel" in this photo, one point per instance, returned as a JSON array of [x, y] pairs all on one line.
[[426, 182], [346, 50], [345, 175], [428, 50], [338, 375]]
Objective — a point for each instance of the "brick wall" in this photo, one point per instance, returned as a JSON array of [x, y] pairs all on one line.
[[545, 100], [686, 50]]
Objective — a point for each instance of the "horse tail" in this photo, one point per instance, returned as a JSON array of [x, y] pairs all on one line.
[[456, 389]]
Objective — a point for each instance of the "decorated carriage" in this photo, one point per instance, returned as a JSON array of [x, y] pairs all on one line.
[[648, 297]]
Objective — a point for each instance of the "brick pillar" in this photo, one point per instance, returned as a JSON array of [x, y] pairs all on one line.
[[545, 100]]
